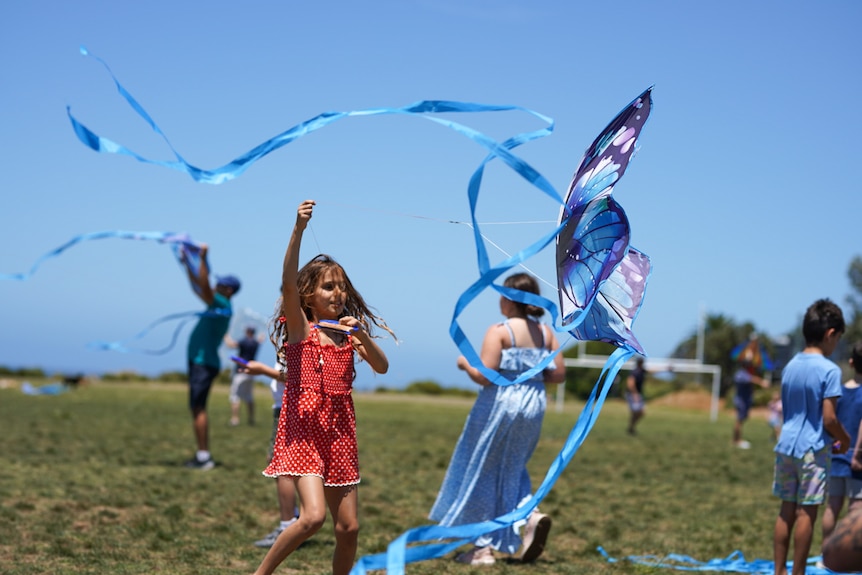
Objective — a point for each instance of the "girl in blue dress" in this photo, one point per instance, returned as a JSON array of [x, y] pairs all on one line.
[[487, 476]]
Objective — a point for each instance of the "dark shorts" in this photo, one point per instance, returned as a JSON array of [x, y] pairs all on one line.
[[743, 406], [201, 379]]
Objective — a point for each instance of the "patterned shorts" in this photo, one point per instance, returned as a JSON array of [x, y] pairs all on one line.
[[802, 481]]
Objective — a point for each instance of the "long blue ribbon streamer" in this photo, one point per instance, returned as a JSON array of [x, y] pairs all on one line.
[[236, 167], [183, 317], [177, 241], [733, 563], [186, 252]]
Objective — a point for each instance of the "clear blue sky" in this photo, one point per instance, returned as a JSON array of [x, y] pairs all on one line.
[[745, 192]]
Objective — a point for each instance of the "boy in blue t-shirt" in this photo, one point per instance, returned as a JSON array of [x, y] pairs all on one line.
[[810, 388]]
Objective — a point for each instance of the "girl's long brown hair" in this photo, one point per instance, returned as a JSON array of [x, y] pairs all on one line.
[[307, 280]]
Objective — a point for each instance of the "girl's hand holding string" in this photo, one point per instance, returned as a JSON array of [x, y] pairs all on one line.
[[346, 324], [303, 213]]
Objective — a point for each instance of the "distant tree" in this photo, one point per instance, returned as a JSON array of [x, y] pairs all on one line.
[[721, 335], [173, 376], [426, 387], [22, 372]]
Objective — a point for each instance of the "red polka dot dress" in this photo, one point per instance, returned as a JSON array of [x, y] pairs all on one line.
[[317, 426]]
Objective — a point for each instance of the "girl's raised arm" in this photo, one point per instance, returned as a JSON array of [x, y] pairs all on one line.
[[291, 305]]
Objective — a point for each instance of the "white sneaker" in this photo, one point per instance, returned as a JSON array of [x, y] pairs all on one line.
[[195, 463], [269, 538], [477, 556], [535, 536], [743, 444]]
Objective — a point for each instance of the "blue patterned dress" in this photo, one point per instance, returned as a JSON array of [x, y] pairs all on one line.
[[487, 476]]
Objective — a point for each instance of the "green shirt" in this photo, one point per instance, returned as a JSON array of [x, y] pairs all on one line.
[[209, 331]]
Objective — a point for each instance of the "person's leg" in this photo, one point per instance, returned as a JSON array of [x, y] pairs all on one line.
[[233, 398], [245, 393], [833, 508], [806, 517], [200, 382], [785, 486], [742, 408], [200, 423], [635, 411], [286, 493], [343, 505], [781, 536], [311, 490], [636, 417], [813, 481]]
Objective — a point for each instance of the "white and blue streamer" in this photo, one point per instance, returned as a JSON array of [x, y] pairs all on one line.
[[186, 252], [176, 240], [733, 563], [182, 317]]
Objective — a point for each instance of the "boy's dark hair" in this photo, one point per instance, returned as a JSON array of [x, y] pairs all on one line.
[[856, 356], [820, 317]]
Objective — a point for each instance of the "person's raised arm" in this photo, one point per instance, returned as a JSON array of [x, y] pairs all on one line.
[[833, 426], [291, 305], [257, 368], [202, 280], [229, 341]]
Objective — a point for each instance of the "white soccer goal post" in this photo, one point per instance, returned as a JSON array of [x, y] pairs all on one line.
[[653, 365]]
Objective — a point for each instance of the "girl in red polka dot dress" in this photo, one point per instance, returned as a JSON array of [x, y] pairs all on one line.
[[323, 321]]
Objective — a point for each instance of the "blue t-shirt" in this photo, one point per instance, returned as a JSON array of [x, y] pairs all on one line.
[[208, 333], [743, 381], [806, 381], [849, 413]]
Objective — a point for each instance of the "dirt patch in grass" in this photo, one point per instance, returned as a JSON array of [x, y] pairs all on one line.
[[701, 400], [687, 399]]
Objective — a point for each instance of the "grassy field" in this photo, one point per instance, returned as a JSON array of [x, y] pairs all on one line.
[[92, 481]]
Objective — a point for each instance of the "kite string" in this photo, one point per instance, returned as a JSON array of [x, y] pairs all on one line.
[[469, 225]]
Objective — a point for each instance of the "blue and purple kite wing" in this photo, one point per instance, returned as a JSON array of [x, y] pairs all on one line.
[[595, 232], [617, 304]]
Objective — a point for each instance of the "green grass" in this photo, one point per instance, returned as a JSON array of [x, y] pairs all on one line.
[[91, 481]]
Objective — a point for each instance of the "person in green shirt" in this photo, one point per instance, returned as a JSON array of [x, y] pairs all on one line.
[[203, 359]]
